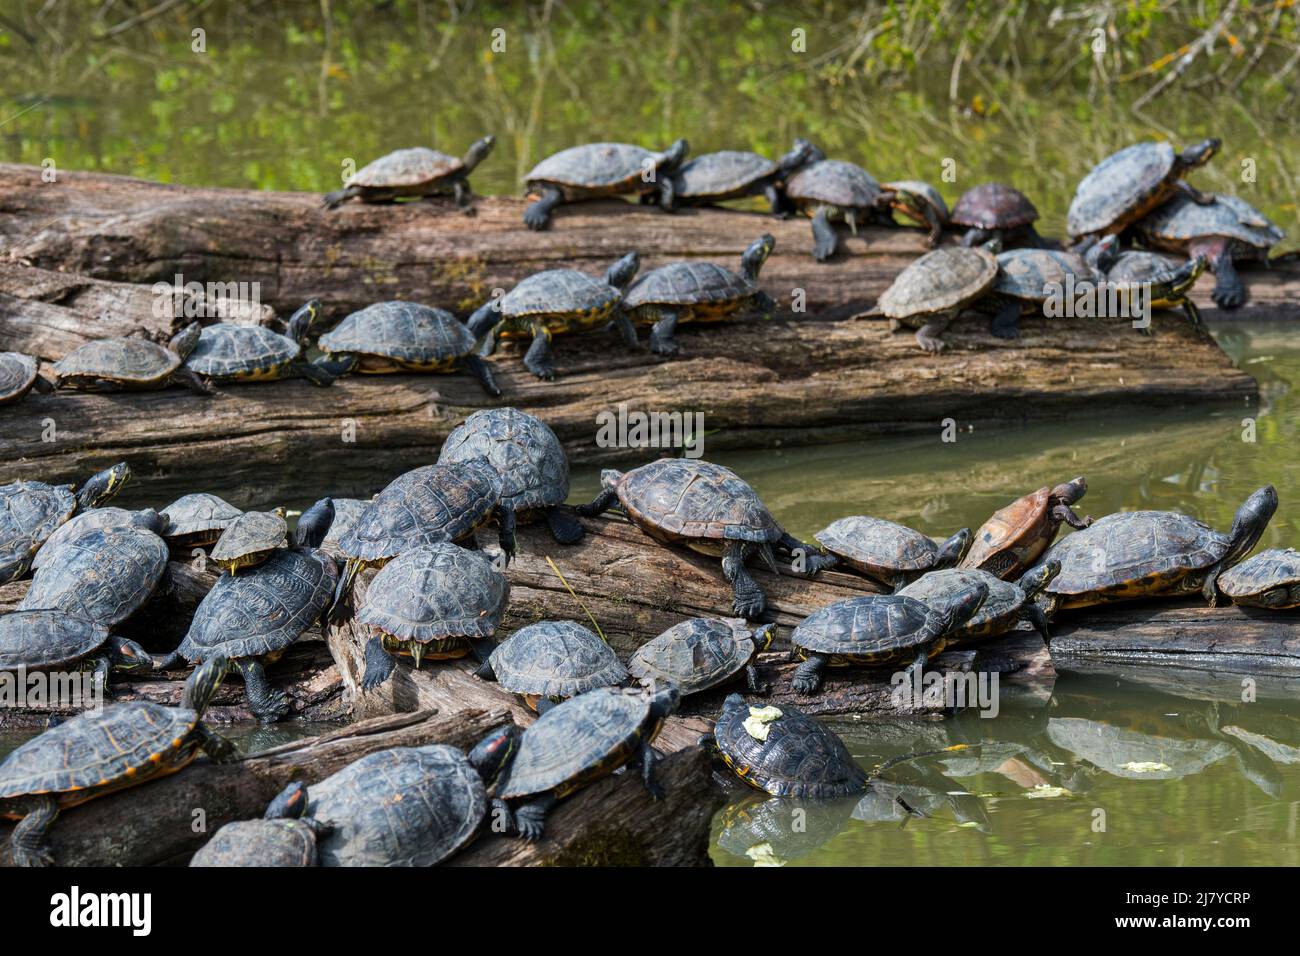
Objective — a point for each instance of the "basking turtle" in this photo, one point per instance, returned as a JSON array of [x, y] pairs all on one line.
[[417, 171], [31, 511], [1127, 185], [879, 630], [703, 652], [283, 837], [892, 554], [405, 337], [132, 363], [996, 211], [533, 466], [600, 169], [830, 190], [52, 640], [935, 289], [580, 741], [18, 374], [1027, 279], [197, 520], [1135, 554], [1007, 604], [1136, 277], [253, 353], [735, 174], [1223, 231], [697, 292], [922, 203], [1014, 538], [1269, 579], [109, 517], [550, 661], [250, 539], [100, 752], [252, 619], [437, 601], [709, 509], [346, 513], [557, 300]]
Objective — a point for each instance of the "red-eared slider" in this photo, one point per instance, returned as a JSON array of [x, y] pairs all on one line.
[[1127, 185], [709, 509], [417, 171], [405, 337], [1135, 554], [1139, 278], [253, 353], [557, 300], [438, 601], [830, 191], [922, 203], [703, 652], [131, 363], [735, 174], [1269, 579], [1223, 231], [934, 290], [1027, 279], [100, 752], [533, 466], [197, 520], [600, 169], [283, 837], [1015, 537], [1008, 603], [580, 741], [250, 539], [892, 554], [51, 640], [549, 661], [252, 619], [109, 517], [995, 211], [31, 511], [18, 374], [697, 292], [879, 630]]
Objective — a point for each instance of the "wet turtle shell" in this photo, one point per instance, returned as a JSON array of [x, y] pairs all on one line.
[[606, 168], [555, 659], [250, 539], [197, 519], [997, 615], [722, 175], [834, 183], [529, 457], [882, 549], [873, 629], [1034, 275], [993, 206], [435, 592], [1180, 220], [104, 574], [108, 517], [401, 335], [698, 653], [689, 283], [47, 639], [680, 498], [229, 353], [30, 511], [17, 375], [799, 758], [942, 280], [260, 843], [406, 168], [1121, 189], [130, 362], [1268, 579]]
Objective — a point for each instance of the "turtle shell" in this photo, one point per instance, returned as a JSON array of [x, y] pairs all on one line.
[[30, 511], [103, 574], [1136, 266], [688, 283], [1024, 528], [47, 639], [531, 461], [251, 534], [941, 280], [577, 741], [107, 517], [721, 174], [17, 376], [436, 591], [555, 659], [263, 610], [596, 166], [346, 513], [996, 615], [404, 331], [925, 191], [1034, 275], [993, 206], [128, 361], [799, 758], [1181, 220], [1268, 579], [406, 167], [878, 547], [832, 182], [260, 843], [695, 654], [198, 518], [406, 806], [558, 292], [875, 627], [228, 352], [688, 498], [1120, 188]]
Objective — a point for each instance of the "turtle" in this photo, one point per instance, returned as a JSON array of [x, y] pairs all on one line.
[[250, 539], [409, 806], [1269, 579], [935, 289], [697, 292], [922, 203], [557, 300], [580, 741], [734, 174], [438, 601], [346, 513], [530, 459], [550, 661], [52, 640], [31, 511], [1138, 279], [878, 630], [703, 652], [1028, 279], [284, 837], [253, 353], [132, 363], [830, 190], [100, 752], [711, 510], [600, 169], [197, 520], [406, 337], [250, 620], [889, 553], [427, 505], [108, 517], [995, 211], [1008, 603], [1127, 185], [1223, 231], [1014, 537], [1136, 554], [416, 171], [19, 373]]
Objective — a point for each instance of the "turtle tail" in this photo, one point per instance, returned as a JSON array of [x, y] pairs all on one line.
[[339, 196]]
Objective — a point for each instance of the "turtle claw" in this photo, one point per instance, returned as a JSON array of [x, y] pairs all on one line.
[[35, 857], [804, 685], [749, 606]]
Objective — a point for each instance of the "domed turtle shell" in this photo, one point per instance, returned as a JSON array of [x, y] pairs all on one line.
[[30, 511], [264, 610], [996, 615], [1181, 220], [404, 331], [721, 173], [1268, 579], [1119, 187], [47, 639], [104, 574], [688, 283], [1136, 266], [698, 653], [249, 536], [993, 206], [872, 627], [17, 376], [406, 806], [106, 517], [198, 519], [941, 280], [533, 466], [558, 291], [227, 351], [406, 167], [436, 591], [1025, 525], [878, 547], [1033, 275], [689, 498], [129, 361], [832, 182], [596, 166], [925, 191], [555, 659], [260, 843], [798, 758]]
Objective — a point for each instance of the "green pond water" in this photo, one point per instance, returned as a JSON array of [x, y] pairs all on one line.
[[282, 98]]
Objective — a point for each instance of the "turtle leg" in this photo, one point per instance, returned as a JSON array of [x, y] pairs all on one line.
[[218, 748], [1194, 316], [667, 193], [505, 516], [379, 664], [647, 760], [538, 357], [489, 345], [754, 683], [1229, 293], [1064, 513], [462, 193], [599, 505], [544, 704], [916, 669], [626, 329], [814, 560], [483, 372], [335, 199], [661, 336], [1032, 613], [99, 674], [267, 703], [530, 819], [927, 336], [749, 601], [316, 374], [172, 662], [188, 378], [776, 201], [807, 676], [1194, 194], [825, 239], [27, 843], [538, 215], [43, 385], [565, 528], [481, 648], [341, 607], [1006, 323]]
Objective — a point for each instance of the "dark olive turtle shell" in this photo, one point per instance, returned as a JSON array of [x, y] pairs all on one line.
[[47, 639], [406, 167], [107, 517], [555, 659], [685, 498], [996, 615], [103, 574], [1136, 266], [595, 166], [533, 466], [688, 283], [1117, 188], [405, 331], [832, 182], [260, 843], [695, 654], [252, 533], [434, 592], [1181, 220], [198, 515], [1270, 578], [721, 174], [17, 376], [941, 280], [868, 628], [30, 511], [993, 206], [128, 361], [564, 292], [228, 352], [875, 546], [1033, 275]]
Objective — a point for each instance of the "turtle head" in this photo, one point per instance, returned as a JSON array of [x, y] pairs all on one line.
[[289, 804], [802, 154], [1199, 154], [478, 152], [962, 605], [203, 683], [609, 478], [620, 273], [664, 700], [146, 519], [1034, 581], [1067, 493], [953, 550], [734, 704], [184, 341], [124, 655], [1102, 255], [1189, 272], [1249, 523], [674, 155], [100, 487], [307, 322], [492, 755], [763, 638], [752, 261], [315, 524]]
